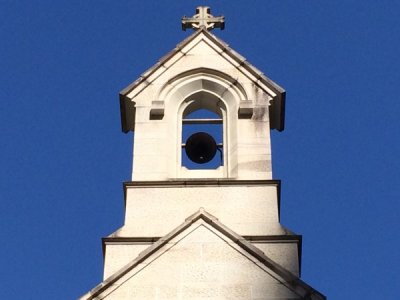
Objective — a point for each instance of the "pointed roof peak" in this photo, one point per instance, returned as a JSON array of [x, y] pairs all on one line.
[[277, 107]]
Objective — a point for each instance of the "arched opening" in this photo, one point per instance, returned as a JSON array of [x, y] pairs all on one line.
[[207, 96], [202, 126]]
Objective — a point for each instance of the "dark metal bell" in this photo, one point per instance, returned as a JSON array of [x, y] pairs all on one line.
[[200, 147]]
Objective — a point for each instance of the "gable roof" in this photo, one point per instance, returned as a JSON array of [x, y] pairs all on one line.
[[277, 108], [290, 280]]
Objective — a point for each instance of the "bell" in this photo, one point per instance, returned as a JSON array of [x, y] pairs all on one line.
[[200, 147]]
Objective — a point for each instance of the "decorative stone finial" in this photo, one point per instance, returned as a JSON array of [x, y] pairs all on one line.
[[203, 19]]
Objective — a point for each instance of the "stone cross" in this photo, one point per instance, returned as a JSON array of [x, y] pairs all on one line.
[[203, 19]]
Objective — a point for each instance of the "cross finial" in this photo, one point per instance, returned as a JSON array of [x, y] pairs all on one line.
[[203, 19]]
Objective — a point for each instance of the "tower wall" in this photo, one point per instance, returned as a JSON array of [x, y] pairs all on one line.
[[249, 208]]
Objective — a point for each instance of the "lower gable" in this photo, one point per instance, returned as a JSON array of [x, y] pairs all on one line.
[[200, 263], [283, 249], [202, 258]]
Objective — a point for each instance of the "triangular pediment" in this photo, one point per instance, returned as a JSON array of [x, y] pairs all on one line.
[[202, 258], [202, 51]]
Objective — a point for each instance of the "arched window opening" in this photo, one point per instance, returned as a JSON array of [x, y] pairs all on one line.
[[204, 92], [202, 137]]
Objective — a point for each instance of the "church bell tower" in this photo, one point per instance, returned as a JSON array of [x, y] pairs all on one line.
[[202, 208]]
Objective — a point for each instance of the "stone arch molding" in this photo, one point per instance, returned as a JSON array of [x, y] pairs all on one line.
[[189, 82], [209, 85]]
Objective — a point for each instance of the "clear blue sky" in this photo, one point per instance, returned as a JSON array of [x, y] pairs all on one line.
[[63, 156]]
